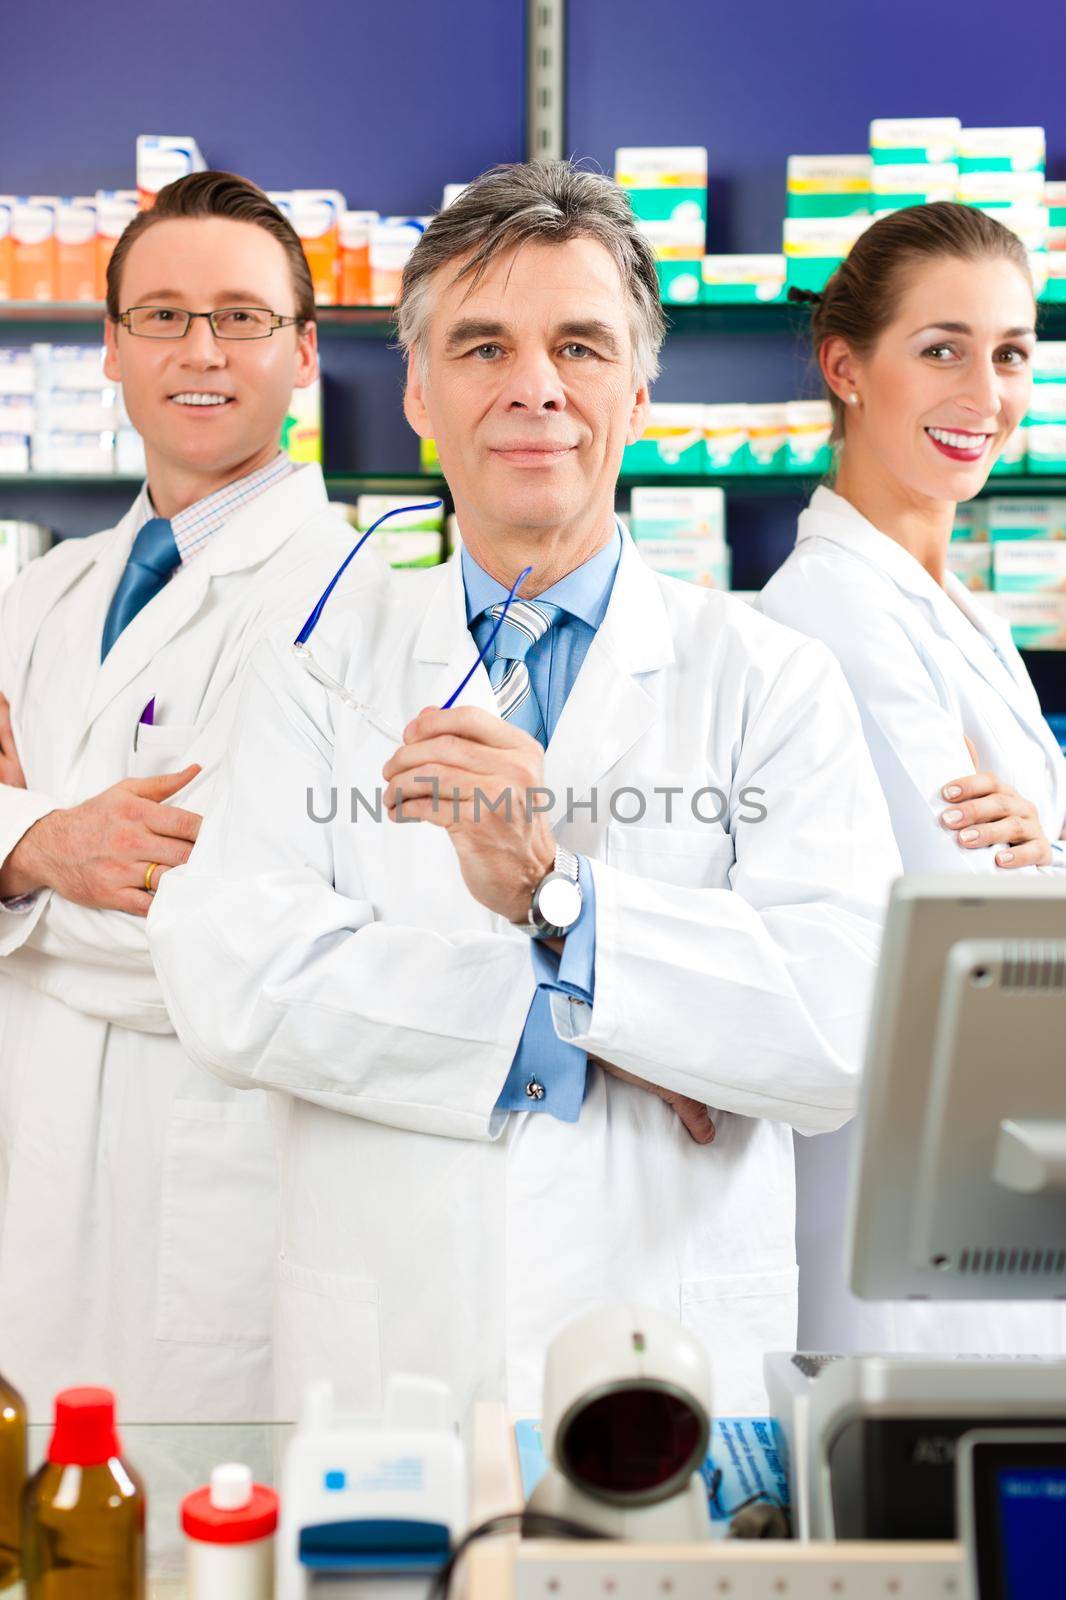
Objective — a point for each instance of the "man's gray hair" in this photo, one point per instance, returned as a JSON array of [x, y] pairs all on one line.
[[535, 202]]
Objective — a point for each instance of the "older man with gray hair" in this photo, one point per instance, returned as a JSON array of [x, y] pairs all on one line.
[[550, 903]]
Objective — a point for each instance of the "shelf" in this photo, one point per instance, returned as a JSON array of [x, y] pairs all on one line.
[[749, 485], [377, 322]]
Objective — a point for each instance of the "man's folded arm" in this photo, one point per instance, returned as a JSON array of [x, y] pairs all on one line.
[[755, 999], [273, 978]]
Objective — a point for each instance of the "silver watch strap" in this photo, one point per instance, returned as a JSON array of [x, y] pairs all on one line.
[[566, 862]]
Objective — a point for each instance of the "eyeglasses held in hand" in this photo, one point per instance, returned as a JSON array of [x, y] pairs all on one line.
[[303, 654]]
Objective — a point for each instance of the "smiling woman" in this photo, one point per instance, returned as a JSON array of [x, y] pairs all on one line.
[[925, 338]]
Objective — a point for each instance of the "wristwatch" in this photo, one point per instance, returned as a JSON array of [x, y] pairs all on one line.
[[556, 903]]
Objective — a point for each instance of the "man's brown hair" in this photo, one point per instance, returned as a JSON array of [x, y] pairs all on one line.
[[215, 194]]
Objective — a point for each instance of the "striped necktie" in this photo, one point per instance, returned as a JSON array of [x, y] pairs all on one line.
[[526, 622], [151, 561]]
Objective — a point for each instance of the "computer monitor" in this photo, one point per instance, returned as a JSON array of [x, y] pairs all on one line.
[[1011, 1495], [958, 1181]]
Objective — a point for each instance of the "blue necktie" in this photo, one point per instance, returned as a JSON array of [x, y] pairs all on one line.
[[152, 559], [526, 622]]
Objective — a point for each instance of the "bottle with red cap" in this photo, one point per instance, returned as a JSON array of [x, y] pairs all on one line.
[[83, 1512], [229, 1525], [12, 1479]]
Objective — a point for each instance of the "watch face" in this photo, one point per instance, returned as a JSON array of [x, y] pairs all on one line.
[[559, 901]]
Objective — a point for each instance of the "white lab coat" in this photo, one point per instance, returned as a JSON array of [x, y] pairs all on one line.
[[137, 1193], [929, 667], [346, 963]]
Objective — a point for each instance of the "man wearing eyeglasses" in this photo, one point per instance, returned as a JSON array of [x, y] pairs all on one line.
[[137, 1193]]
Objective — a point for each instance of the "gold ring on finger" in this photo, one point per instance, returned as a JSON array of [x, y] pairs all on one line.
[[153, 866]]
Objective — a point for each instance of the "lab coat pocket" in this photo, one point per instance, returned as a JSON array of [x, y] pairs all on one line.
[[160, 748], [326, 1327], [738, 1317], [693, 857], [218, 1223]]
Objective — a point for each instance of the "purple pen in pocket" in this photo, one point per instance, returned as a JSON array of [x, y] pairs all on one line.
[[148, 714]]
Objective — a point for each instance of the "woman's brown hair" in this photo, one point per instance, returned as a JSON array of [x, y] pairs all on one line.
[[863, 295], [215, 194]]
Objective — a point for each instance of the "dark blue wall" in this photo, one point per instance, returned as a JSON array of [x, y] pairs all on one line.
[[388, 103]]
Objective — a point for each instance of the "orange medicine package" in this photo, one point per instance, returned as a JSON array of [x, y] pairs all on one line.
[[355, 256], [316, 215], [33, 225], [7, 201], [114, 209], [75, 270]]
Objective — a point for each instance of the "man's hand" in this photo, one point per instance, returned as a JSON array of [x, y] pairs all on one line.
[[98, 853], [695, 1118], [11, 771], [454, 769]]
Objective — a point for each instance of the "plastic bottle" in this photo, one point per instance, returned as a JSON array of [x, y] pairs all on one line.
[[83, 1511], [12, 1480], [229, 1525]]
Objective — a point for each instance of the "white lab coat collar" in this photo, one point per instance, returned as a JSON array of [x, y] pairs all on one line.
[[254, 534], [607, 710], [951, 608]]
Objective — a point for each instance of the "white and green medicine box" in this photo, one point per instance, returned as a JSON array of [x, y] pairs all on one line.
[[679, 247], [411, 539], [1037, 621], [1012, 457], [768, 437], [828, 186], [971, 523], [743, 280], [903, 141], [1054, 290], [815, 246], [1047, 446], [971, 564], [672, 442], [1015, 517], [677, 513], [1029, 566], [704, 561], [1002, 149], [809, 424], [369, 507], [680, 282], [725, 434], [406, 548], [996, 190], [918, 184], [1049, 361], [664, 182]]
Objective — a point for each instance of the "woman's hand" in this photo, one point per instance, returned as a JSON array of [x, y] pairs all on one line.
[[985, 812]]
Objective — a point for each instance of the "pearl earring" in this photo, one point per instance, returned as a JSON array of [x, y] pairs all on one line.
[[853, 399]]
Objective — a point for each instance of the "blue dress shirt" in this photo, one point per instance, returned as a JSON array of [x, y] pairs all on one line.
[[560, 1068]]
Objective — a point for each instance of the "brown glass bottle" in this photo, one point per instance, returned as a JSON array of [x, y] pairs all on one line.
[[84, 1509], [12, 1481]]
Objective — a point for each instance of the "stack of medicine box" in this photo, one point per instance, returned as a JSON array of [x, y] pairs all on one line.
[[76, 411], [1001, 172], [1029, 568], [970, 550], [1046, 423], [827, 207], [681, 533], [915, 161], [667, 188], [413, 539], [1055, 202], [733, 439], [17, 410]]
